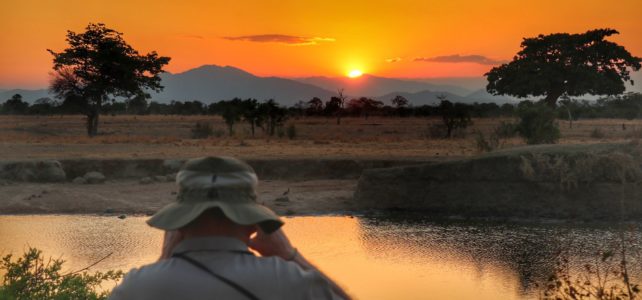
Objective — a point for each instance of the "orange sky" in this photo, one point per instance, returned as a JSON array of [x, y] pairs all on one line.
[[333, 36]]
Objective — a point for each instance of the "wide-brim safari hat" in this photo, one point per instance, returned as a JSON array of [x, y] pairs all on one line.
[[216, 182]]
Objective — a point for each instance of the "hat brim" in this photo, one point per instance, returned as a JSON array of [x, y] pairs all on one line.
[[176, 215]]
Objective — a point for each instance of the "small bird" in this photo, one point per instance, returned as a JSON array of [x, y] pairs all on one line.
[[286, 192]]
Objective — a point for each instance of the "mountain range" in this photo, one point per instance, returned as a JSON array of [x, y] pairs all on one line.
[[211, 83]]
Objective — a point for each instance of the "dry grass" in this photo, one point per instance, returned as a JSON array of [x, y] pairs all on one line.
[[170, 136]]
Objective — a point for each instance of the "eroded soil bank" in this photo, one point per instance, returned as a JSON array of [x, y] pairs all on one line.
[[131, 197]]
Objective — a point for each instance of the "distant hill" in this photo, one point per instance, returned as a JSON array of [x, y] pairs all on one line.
[[373, 86], [211, 83], [27, 95]]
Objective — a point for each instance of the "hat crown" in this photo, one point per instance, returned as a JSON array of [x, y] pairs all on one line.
[[216, 179]]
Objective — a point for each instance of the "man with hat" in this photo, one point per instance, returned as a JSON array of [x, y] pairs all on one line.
[[208, 231]]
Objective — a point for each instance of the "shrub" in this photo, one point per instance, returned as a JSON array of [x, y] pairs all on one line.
[[202, 130], [30, 277], [291, 131], [537, 124], [486, 145], [597, 133], [506, 130]]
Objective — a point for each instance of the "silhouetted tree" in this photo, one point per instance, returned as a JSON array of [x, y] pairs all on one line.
[[369, 106], [231, 111], [251, 113], [44, 106], [274, 115], [332, 106], [572, 64], [454, 116], [315, 107], [15, 105], [137, 105], [401, 104], [341, 102], [99, 64]]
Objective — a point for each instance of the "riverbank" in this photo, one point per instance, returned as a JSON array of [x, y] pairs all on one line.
[[131, 197]]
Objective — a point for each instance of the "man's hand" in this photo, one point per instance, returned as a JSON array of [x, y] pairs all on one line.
[[171, 239], [273, 244]]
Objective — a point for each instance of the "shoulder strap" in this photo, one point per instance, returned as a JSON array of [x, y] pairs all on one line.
[[231, 283]]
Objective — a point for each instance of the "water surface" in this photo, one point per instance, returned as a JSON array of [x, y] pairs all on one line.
[[372, 257]]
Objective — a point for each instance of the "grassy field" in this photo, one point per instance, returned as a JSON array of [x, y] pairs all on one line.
[[25, 137]]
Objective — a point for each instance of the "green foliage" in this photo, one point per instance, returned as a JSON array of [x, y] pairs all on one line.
[[99, 64], [537, 124], [561, 63], [202, 130], [30, 277]]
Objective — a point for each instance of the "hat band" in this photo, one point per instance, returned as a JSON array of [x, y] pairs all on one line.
[[216, 194]]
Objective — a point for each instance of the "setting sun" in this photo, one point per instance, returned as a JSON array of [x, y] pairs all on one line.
[[355, 73]]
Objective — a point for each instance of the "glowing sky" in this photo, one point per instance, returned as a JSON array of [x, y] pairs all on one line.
[[401, 38]]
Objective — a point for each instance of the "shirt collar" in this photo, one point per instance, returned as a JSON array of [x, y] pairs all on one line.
[[212, 243]]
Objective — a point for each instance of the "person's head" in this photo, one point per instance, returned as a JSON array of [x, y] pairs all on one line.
[[217, 195]]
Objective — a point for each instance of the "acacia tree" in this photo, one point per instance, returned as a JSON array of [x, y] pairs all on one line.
[[565, 64], [454, 116], [99, 64]]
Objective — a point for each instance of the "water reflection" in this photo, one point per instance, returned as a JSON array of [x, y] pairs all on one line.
[[373, 257]]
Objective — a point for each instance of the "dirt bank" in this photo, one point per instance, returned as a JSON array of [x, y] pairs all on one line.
[[131, 197]]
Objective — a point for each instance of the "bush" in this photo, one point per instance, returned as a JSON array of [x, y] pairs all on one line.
[[202, 130], [506, 130], [486, 145], [597, 133], [537, 124], [291, 131], [29, 277]]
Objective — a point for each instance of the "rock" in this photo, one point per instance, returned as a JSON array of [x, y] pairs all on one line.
[[146, 180], [33, 171], [122, 217], [160, 178], [94, 177], [79, 180]]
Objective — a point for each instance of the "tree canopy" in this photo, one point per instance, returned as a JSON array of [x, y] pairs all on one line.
[[99, 63], [565, 64]]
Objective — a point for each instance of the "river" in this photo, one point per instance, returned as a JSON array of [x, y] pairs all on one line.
[[373, 257]]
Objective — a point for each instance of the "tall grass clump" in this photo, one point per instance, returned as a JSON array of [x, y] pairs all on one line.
[[31, 277]]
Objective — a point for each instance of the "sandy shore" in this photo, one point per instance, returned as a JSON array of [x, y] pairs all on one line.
[[131, 197]]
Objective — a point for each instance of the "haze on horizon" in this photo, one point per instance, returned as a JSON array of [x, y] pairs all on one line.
[[403, 39]]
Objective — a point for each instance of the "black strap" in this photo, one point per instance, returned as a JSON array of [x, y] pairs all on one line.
[[231, 283]]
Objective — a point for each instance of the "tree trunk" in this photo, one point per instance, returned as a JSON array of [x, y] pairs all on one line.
[[252, 125], [92, 123], [552, 96]]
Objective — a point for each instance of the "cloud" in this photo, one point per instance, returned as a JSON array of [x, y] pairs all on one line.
[[393, 60], [456, 58], [280, 39]]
